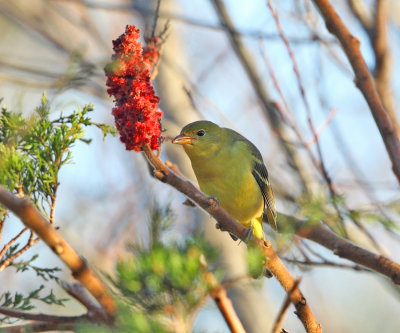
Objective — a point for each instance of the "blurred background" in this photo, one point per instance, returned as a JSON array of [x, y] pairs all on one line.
[[225, 61]]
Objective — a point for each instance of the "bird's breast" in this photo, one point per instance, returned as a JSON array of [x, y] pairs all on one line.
[[235, 189]]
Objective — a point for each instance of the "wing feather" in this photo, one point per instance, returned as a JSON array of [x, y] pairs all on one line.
[[260, 174]]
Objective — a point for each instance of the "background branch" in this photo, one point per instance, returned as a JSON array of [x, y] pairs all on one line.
[[224, 304], [30, 216], [364, 81]]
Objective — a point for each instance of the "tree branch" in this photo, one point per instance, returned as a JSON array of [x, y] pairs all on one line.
[[30, 216], [285, 306], [224, 304], [347, 250], [39, 327], [342, 247], [364, 81], [383, 70], [94, 310], [41, 317]]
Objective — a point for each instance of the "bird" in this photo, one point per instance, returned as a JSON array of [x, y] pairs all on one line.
[[230, 168]]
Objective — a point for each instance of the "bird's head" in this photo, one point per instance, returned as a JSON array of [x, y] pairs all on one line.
[[199, 138]]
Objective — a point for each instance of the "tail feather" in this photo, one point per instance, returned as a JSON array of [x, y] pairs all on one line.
[[271, 216]]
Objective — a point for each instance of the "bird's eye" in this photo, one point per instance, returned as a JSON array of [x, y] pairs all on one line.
[[201, 133]]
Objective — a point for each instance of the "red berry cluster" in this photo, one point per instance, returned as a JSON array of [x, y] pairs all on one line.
[[136, 112]]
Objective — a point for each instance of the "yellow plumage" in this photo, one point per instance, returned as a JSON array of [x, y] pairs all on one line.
[[230, 168]]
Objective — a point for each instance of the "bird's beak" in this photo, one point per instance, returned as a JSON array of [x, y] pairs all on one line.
[[183, 139]]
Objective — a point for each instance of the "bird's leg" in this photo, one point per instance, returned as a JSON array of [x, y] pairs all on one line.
[[233, 236], [248, 235]]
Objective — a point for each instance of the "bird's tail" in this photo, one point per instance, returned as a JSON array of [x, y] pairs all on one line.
[[271, 216]]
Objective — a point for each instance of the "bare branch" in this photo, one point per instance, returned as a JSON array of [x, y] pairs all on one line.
[[363, 14], [30, 216], [31, 241], [145, 11], [224, 304], [41, 317], [320, 166], [285, 306], [270, 112], [77, 291], [11, 242], [39, 327], [327, 263], [344, 248], [383, 60], [364, 81]]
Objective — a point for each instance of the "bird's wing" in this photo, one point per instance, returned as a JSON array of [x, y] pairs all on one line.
[[260, 173]]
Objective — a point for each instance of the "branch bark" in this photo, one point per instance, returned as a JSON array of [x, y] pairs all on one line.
[[363, 80], [281, 315], [224, 304]]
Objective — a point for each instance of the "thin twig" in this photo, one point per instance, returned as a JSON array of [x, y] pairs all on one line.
[[321, 128], [27, 246], [363, 80], [3, 214], [383, 70], [270, 112], [282, 311], [342, 247], [30, 216], [41, 316], [52, 207], [224, 304], [156, 16], [327, 263], [145, 10], [11, 242], [321, 165]]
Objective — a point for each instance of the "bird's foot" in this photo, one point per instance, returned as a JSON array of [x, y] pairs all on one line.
[[267, 273], [234, 237], [212, 202], [248, 235]]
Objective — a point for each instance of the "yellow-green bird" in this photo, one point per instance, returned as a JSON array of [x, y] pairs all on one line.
[[231, 169]]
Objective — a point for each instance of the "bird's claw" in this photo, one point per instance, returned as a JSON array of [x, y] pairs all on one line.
[[246, 238], [234, 237], [248, 235]]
